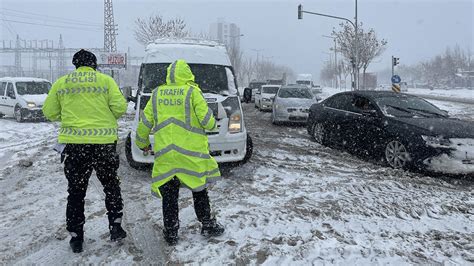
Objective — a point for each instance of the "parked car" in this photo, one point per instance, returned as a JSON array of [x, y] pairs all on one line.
[[255, 86], [292, 103], [23, 97], [404, 130], [210, 64], [264, 97]]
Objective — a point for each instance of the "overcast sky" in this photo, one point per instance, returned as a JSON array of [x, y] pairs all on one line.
[[415, 29]]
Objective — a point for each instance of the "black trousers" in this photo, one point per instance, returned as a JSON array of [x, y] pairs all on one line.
[[170, 194], [80, 160]]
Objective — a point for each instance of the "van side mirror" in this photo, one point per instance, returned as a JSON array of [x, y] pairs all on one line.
[[126, 91]]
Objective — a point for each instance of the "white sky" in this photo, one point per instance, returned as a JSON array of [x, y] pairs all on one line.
[[415, 30]]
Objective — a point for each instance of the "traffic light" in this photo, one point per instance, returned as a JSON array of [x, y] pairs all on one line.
[[395, 61], [300, 12]]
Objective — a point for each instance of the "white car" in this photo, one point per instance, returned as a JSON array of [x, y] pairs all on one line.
[[23, 97], [292, 103], [210, 64], [264, 97]]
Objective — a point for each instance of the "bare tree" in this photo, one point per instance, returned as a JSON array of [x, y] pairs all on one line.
[[248, 69], [369, 46], [153, 27], [236, 57]]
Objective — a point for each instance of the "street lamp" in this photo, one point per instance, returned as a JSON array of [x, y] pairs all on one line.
[[233, 39], [258, 52], [335, 56], [356, 75], [233, 36]]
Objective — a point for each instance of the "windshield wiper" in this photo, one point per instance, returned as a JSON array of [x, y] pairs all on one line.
[[407, 110], [427, 112], [399, 108]]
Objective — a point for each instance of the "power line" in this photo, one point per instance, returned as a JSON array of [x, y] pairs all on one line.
[[48, 25], [10, 28], [44, 19], [51, 17]]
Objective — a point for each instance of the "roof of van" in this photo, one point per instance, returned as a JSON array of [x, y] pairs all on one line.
[[193, 51], [24, 79], [304, 77]]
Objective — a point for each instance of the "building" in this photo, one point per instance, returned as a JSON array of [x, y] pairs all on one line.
[[227, 33]]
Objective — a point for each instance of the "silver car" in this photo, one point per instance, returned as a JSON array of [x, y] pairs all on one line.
[[292, 103]]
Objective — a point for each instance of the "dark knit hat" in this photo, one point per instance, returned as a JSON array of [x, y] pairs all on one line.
[[84, 58]]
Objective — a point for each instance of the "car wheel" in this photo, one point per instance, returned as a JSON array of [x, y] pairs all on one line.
[[397, 155], [249, 149], [319, 133], [128, 153], [18, 115]]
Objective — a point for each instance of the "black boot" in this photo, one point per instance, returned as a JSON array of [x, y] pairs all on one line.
[[117, 232], [171, 237], [212, 229], [77, 239]]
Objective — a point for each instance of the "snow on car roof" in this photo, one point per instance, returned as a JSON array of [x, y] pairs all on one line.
[[24, 79], [193, 51]]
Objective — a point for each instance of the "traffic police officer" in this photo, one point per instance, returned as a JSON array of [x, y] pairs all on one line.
[[177, 115], [88, 104]]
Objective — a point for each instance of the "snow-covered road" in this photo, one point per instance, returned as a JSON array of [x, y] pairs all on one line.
[[295, 202]]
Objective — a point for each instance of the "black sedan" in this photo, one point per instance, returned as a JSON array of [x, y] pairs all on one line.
[[404, 130]]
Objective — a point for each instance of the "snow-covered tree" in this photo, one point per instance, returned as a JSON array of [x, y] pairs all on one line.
[[149, 29]]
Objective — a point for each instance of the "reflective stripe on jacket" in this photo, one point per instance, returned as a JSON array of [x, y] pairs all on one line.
[[177, 115], [88, 104]]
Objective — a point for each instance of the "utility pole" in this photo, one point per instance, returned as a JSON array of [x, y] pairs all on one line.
[[356, 48], [110, 43], [335, 58], [18, 57], [355, 62], [60, 61]]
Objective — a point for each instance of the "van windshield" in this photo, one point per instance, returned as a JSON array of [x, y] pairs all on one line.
[[210, 78], [303, 82], [31, 87], [270, 90]]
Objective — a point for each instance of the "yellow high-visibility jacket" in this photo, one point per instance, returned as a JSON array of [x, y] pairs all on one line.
[[177, 115], [88, 104]]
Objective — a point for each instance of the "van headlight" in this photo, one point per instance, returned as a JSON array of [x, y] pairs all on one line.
[[234, 113], [235, 123], [436, 141], [31, 105]]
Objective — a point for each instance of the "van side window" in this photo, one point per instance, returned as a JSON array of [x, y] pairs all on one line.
[[10, 91], [2, 88]]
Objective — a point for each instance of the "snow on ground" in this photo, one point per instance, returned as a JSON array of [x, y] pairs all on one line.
[[451, 93], [295, 202]]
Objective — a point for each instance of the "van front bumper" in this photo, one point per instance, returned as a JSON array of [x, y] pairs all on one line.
[[224, 148], [32, 113]]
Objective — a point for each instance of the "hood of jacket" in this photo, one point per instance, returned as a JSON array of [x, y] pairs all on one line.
[[179, 73]]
